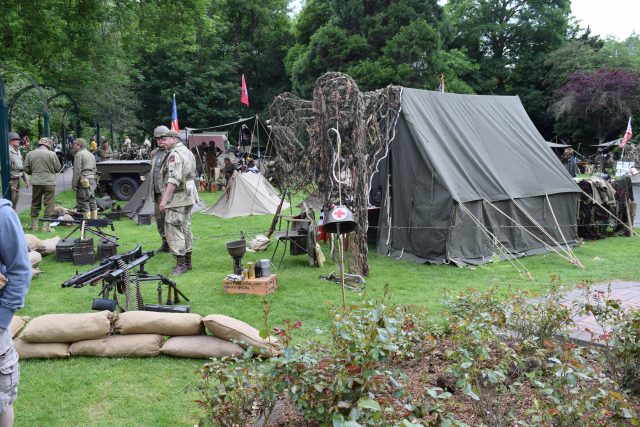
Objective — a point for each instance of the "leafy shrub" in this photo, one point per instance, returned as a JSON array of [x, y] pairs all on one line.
[[346, 381], [495, 371], [234, 392], [621, 338], [540, 320]]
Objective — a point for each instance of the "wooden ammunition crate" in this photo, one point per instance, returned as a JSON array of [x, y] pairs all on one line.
[[260, 286]]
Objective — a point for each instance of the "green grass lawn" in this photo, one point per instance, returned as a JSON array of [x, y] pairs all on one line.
[[153, 392]]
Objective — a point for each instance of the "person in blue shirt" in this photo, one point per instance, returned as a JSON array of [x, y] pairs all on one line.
[[15, 277]]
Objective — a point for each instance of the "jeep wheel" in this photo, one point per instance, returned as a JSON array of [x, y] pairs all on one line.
[[124, 187]]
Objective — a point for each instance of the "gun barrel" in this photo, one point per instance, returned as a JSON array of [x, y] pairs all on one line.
[[100, 222], [103, 270]]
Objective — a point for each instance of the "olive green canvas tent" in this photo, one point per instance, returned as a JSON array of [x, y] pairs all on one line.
[[467, 178]]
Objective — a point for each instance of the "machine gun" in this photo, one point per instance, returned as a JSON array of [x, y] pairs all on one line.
[[115, 274], [108, 265], [93, 226]]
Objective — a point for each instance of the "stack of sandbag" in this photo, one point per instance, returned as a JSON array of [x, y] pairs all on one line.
[[50, 336], [39, 248], [44, 247], [140, 334], [230, 329]]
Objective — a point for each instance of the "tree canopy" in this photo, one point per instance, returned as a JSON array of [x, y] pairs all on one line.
[[121, 61]]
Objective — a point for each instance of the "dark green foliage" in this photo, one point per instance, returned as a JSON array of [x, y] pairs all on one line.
[[378, 43]]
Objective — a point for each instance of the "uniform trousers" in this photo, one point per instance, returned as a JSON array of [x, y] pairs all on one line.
[[86, 197], [15, 192], [40, 194], [177, 229]]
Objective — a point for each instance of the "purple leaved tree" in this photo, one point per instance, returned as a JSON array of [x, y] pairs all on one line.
[[599, 102]]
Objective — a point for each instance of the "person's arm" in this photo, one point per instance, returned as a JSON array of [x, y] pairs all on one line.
[[13, 255], [77, 169], [27, 164], [175, 166], [166, 196]]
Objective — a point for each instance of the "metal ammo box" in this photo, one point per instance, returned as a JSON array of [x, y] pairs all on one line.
[[106, 248], [83, 253], [64, 250]]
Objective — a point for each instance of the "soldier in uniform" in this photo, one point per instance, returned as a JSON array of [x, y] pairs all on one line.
[[84, 180], [43, 165], [158, 157], [104, 152], [17, 170], [178, 197]]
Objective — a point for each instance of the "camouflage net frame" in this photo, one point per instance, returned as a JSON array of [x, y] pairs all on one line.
[[306, 148]]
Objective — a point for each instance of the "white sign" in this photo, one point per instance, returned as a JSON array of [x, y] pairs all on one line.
[[623, 167]]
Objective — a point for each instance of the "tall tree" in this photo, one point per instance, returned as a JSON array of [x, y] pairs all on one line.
[[377, 42], [598, 103], [510, 39]]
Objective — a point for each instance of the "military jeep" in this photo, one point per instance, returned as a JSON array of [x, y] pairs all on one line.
[[121, 178]]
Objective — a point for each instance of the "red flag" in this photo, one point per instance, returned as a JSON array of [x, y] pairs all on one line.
[[174, 116], [627, 135], [244, 97]]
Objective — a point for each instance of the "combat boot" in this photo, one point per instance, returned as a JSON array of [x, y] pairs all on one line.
[[86, 215], [180, 267], [94, 214], [164, 247], [34, 223], [187, 260]]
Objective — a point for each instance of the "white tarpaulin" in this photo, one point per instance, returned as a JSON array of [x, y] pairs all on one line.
[[247, 194]]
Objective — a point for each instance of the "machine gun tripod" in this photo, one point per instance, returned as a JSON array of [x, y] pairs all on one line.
[[85, 225]]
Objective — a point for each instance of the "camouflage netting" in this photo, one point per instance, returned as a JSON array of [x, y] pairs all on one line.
[[307, 147]]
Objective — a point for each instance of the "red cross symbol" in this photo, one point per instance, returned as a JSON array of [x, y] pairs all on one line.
[[339, 213]]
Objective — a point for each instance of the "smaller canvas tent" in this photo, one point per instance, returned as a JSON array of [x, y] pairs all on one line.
[[141, 203], [247, 194]]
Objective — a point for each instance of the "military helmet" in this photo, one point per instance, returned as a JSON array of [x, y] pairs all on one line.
[[103, 139], [172, 132], [160, 131], [12, 136], [46, 142]]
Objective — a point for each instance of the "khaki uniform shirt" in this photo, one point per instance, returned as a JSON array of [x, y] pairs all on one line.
[[84, 165], [15, 164], [180, 170], [43, 165], [104, 153]]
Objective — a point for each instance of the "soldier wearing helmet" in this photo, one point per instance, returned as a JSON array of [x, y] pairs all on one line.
[[43, 166], [178, 197], [158, 157], [16, 168]]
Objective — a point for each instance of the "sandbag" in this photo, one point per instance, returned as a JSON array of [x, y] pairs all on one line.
[[35, 258], [200, 347], [27, 350], [16, 325], [245, 335], [33, 242], [35, 271], [48, 246], [137, 345], [68, 327], [150, 322]]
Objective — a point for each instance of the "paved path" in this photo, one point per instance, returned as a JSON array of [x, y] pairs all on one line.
[[63, 183], [628, 293]]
